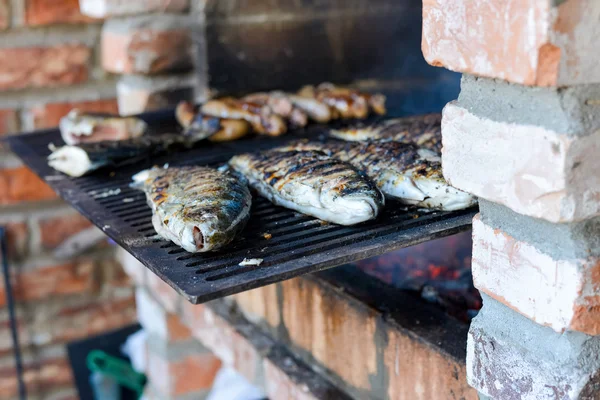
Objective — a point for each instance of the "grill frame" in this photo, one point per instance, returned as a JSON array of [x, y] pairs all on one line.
[[299, 244]]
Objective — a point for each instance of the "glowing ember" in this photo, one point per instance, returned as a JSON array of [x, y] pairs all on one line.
[[439, 270]]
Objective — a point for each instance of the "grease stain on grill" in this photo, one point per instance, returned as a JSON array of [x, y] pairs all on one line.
[[298, 244]]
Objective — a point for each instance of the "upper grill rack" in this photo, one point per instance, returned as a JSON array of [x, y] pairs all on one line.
[[298, 244]]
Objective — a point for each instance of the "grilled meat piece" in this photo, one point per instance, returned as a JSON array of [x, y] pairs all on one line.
[[425, 131], [215, 129], [313, 184], [198, 208], [346, 102], [312, 107], [87, 157], [79, 127], [281, 105], [402, 171], [261, 117]]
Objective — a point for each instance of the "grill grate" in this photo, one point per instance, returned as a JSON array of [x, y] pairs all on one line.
[[298, 244]]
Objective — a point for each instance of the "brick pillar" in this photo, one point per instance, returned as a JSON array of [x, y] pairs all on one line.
[[524, 137], [177, 366], [152, 46]]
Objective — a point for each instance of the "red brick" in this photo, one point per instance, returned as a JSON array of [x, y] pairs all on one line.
[[17, 235], [146, 45], [191, 374], [223, 340], [493, 160], [9, 121], [20, 184], [417, 371], [540, 44], [45, 12], [39, 377], [327, 326], [4, 14], [55, 231], [40, 283], [113, 8], [65, 64], [49, 115], [561, 293]]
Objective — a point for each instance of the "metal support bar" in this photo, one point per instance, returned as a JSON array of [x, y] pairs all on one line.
[[10, 302]]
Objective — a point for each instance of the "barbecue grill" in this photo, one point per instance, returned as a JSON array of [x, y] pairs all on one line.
[[288, 243]]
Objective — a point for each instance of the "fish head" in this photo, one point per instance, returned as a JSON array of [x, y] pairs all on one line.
[[360, 199]]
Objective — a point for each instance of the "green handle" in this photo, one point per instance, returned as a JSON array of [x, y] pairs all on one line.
[[116, 368]]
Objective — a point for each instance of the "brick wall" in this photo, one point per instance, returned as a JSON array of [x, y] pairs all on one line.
[[54, 58], [134, 56]]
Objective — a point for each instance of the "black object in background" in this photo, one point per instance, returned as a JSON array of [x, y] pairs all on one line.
[[111, 344]]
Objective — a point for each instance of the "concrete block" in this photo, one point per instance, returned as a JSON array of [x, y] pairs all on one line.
[[512, 357], [533, 170], [559, 241], [562, 293], [571, 110], [530, 42]]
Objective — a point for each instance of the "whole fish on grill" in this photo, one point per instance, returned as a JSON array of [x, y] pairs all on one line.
[[313, 184], [202, 126], [424, 131], [87, 157], [79, 127], [198, 208], [403, 171]]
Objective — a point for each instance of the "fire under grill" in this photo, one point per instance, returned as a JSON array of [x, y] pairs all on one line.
[[289, 243]]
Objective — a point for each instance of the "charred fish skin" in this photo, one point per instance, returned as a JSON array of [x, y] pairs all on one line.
[[198, 208], [402, 171], [425, 131], [84, 158], [313, 184]]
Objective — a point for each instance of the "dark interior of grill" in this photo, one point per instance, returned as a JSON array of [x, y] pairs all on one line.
[[288, 243]]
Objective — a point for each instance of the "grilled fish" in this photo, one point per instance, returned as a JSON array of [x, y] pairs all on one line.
[[261, 117], [198, 208], [402, 171], [216, 129], [425, 131], [312, 183], [87, 157], [78, 127]]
